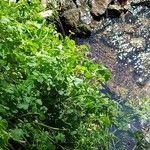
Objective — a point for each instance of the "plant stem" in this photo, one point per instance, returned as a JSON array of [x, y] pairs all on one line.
[[48, 127]]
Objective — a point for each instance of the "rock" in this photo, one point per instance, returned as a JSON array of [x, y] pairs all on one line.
[[118, 7], [98, 7], [115, 7], [78, 15], [75, 16], [146, 61], [129, 28], [127, 5], [138, 42], [72, 17], [80, 3], [67, 5], [122, 2], [114, 10], [76, 21]]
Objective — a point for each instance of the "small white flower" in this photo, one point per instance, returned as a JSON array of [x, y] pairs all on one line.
[[60, 47]]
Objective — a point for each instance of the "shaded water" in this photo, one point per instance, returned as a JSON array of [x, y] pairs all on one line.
[[123, 45]]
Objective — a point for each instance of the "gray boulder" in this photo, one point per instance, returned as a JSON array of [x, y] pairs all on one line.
[[98, 7]]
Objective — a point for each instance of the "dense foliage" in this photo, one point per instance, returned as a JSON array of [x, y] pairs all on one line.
[[48, 87]]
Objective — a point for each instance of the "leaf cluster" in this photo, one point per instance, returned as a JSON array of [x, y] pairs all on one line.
[[48, 87]]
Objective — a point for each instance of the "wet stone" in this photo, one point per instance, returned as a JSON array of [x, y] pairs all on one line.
[[98, 7]]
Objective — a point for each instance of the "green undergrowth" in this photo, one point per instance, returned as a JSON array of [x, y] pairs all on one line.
[[49, 96], [141, 107]]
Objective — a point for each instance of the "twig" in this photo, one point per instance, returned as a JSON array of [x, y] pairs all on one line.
[[48, 127]]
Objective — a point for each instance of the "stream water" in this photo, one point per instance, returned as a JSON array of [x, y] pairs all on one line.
[[123, 45]]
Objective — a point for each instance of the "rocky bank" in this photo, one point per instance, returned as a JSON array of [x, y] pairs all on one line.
[[82, 16]]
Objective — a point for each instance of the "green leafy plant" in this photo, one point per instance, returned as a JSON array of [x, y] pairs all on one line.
[[141, 106], [48, 87]]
